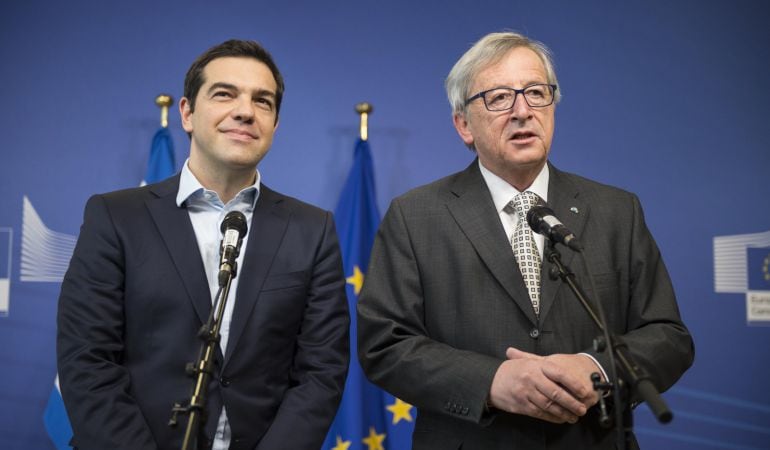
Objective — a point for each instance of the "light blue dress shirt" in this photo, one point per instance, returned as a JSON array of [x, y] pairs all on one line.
[[207, 212]]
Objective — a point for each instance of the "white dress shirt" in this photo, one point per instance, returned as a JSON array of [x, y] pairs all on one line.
[[503, 193]]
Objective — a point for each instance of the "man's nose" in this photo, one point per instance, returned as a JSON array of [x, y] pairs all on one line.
[[243, 109], [520, 109]]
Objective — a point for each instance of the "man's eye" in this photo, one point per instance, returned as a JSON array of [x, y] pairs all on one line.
[[265, 103], [499, 97], [222, 94], [535, 92]]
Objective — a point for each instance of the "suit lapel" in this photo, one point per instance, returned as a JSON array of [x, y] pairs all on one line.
[[177, 232], [268, 226], [571, 209], [473, 210]]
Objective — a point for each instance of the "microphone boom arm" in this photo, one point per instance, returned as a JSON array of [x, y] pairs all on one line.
[[637, 381], [234, 228]]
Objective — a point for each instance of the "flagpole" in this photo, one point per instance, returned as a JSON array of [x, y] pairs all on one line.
[[164, 101], [364, 109]]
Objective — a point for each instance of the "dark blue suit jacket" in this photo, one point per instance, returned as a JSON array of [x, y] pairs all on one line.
[[136, 294]]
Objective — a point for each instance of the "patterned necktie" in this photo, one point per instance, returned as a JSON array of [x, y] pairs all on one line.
[[524, 247]]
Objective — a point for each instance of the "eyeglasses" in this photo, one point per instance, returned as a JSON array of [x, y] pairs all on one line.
[[503, 98]]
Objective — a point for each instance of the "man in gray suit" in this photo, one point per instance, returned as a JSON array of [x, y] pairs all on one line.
[[455, 317]]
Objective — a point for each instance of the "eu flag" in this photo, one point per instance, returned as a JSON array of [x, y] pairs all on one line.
[[368, 418], [758, 268], [55, 419], [161, 164]]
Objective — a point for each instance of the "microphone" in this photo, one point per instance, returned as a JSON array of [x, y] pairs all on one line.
[[234, 229], [543, 221]]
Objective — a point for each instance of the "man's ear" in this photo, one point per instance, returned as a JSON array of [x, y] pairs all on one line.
[[186, 113], [463, 128]]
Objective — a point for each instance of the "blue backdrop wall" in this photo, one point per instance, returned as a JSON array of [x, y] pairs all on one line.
[[666, 99]]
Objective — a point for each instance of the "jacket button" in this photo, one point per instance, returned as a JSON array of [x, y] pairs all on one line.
[[535, 333], [224, 382]]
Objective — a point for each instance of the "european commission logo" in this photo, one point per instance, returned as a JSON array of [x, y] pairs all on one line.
[[742, 265], [45, 254], [6, 249]]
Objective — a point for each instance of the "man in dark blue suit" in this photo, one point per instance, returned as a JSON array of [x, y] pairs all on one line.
[[143, 275]]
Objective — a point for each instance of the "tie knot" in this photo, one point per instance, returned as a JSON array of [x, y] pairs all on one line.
[[524, 201]]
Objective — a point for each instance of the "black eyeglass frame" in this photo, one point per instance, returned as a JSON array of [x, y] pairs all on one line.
[[482, 96]]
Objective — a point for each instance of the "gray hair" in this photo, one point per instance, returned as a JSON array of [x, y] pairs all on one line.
[[487, 51]]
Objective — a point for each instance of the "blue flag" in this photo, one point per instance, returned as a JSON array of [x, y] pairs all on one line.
[[55, 419], [368, 418], [160, 166], [758, 268]]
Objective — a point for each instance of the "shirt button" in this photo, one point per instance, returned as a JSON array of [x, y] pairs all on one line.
[[224, 382], [535, 333]]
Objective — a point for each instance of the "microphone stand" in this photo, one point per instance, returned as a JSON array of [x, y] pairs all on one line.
[[637, 382], [203, 367]]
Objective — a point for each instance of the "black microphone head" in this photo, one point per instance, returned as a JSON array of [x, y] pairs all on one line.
[[543, 221], [535, 217], [235, 220]]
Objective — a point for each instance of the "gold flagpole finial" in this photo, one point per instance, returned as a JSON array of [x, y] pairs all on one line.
[[164, 101], [364, 109]]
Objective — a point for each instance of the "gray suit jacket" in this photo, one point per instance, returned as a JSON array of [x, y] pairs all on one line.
[[444, 298]]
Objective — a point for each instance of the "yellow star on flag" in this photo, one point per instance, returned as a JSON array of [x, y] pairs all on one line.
[[400, 410], [341, 445], [374, 440], [357, 279]]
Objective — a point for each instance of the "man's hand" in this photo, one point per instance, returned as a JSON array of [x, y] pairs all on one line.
[[555, 388]]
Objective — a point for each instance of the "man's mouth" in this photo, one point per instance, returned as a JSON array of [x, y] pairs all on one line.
[[239, 134], [523, 136]]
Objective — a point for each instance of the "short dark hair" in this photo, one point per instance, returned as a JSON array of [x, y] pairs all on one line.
[[236, 48]]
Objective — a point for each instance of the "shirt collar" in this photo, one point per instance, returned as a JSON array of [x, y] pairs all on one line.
[[503, 193], [189, 186]]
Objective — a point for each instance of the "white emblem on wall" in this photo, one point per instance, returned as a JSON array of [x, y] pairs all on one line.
[[741, 266], [6, 243], [45, 254]]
